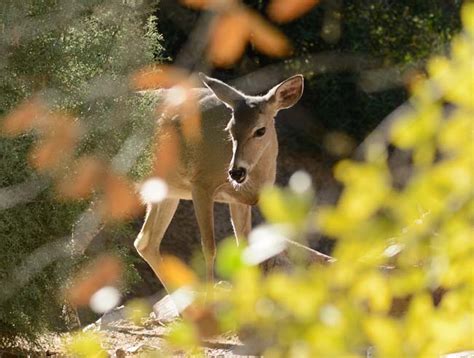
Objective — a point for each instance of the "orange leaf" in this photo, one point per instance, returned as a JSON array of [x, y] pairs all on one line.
[[62, 134], [167, 150], [23, 117], [105, 270], [174, 273], [288, 10], [180, 101], [85, 176], [217, 5], [163, 76], [229, 37], [191, 118], [46, 155], [267, 39], [197, 4], [120, 198]]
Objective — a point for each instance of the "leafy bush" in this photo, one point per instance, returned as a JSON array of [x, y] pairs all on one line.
[[402, 284], [72, 58]]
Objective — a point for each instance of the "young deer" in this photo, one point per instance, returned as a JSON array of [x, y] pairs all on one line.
[[225, 167]]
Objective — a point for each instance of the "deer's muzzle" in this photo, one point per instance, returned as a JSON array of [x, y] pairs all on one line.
[[239, 174]]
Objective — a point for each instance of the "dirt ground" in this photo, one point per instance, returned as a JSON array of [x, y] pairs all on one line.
[[120, 337]]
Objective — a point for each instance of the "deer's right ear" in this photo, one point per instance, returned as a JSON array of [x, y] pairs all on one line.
[[227, 94]]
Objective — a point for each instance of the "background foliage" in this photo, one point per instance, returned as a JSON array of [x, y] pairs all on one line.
[[76, 57]]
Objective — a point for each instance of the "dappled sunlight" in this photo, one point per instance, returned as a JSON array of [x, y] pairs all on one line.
[[105, 126], [153, 190], [102, 272], [105, 299], [264, 243]]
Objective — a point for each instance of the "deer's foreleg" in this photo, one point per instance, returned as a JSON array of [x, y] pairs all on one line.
[[241, 215], [147, 243], [203, 202]]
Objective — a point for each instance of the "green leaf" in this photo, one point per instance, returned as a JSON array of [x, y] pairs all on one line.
[[229, 258]]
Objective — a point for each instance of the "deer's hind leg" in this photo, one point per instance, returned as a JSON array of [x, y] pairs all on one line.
[[147, 243], [241, 217]]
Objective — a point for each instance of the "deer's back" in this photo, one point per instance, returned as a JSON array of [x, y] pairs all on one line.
[[201, 159]]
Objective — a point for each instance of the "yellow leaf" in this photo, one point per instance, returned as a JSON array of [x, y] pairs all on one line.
[[137, 310], [86, 345], [467, 17], [374, 288], [384, 333]]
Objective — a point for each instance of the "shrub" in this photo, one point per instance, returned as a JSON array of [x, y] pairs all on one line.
[[72, 58]]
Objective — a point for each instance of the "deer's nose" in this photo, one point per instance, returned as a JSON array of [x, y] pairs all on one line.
[[238, 174]]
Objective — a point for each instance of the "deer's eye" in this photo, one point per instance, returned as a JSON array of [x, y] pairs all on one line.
[[260, 132]]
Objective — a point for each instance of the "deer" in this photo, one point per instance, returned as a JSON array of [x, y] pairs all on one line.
[[231, 163]]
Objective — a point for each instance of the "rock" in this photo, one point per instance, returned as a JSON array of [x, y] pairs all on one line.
[[465, 354], [139, 347], [113, 316], [165, 310], [120, 353]]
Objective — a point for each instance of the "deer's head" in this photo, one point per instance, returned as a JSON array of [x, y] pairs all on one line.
[[252, 126]]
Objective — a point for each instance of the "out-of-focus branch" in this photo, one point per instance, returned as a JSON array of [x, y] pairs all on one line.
[[22, 193], [308, 65]]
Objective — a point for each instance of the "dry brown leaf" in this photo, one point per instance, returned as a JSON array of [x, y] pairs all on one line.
[[162, 76], [167, 150], [268, 39], [120, 199], [86, 175], [288, 10], [104, 271], [174, 273], [229, 36], [23, 117], [204, 318]]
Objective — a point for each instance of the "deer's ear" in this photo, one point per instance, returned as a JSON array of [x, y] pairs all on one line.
[[224, 92], [287, 93]]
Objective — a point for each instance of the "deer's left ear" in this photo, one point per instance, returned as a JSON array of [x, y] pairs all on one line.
[[287, 93]]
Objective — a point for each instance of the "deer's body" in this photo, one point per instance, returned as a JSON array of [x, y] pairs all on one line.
[[206, 162], [228, 163]]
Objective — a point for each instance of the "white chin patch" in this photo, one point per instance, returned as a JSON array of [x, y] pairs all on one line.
[[236, 184]]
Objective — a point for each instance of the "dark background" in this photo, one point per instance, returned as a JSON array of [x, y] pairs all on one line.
[[374, 35]]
